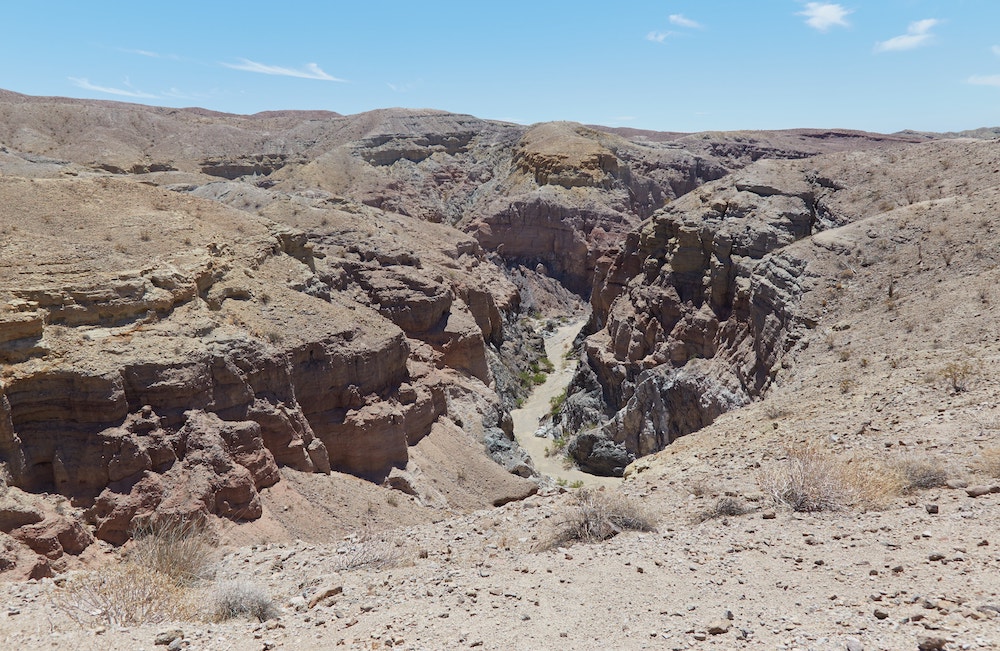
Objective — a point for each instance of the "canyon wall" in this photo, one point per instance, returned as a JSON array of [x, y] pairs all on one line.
[[695, 313]]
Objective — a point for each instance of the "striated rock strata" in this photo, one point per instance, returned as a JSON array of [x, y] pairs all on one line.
[[158, 366]]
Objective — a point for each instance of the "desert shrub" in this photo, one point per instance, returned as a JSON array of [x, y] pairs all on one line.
[[543, 364], [872, 483], [122, 594], [232, 599], [530, 379], [812, 479], [181, 549], [958, 374], [988, 462], [596, 515], [726, 507], [922, 472], [372, 551], [556, 403], [558, 446]]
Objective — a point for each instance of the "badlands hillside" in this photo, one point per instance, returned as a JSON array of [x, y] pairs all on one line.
[[297, 339]]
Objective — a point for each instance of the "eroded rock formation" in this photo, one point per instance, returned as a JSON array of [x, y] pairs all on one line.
[[193, 302], [695, 313]]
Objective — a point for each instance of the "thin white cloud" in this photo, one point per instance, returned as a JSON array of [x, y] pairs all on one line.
[[144, 53], [824, 15], [984, 80], [681, 21], [149, 54], [996, 50], [310, 71], [84, 83], [917, 35], [404, 87], [658, 37]]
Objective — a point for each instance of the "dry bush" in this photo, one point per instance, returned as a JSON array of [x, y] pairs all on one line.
[[725, 507], [234, 599], [958, 373], [813, 479], [922, 472], [988, 462], [180, 549], [873, 482], [122, 594], [598, 515], [375, 551]]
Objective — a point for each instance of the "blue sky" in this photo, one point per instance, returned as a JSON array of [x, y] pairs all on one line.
[[672, 65]]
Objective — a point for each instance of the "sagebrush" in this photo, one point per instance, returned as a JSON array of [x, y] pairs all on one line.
[[122, 594], [232, 599], [181, 549], [375, 551], [813, 479], [596, 515], [922, 472], [988, 462]]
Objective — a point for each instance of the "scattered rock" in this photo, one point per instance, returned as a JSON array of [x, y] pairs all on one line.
[[978, 491], [932, 644], [324, 593], [719, 626], [164, 638]]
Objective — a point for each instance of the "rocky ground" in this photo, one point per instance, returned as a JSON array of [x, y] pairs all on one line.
[[888, 579]]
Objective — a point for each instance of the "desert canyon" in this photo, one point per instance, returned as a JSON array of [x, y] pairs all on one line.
[[381, 360]]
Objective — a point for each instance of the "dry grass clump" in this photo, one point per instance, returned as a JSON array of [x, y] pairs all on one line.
[[812, 479], [988, 462], [122, 594], [180, 549], [727, 506], [150, 583], [374, 551], [597, 515], [234, 599], [920, 473]]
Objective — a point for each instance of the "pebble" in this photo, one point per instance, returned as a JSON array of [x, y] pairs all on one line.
[[931, 508]]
